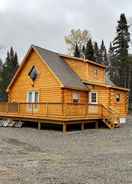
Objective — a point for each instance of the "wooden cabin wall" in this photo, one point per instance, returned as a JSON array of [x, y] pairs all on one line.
[[46, 84], [79, 67], [102, 94], [122, 105], [68, 96], [87, 71], [91, 76]]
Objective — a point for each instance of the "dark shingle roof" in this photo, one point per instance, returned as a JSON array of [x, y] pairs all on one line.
[[61, 69]]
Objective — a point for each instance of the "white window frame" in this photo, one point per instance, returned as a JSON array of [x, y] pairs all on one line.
[[29, 107], [90, 97], [76, 96]]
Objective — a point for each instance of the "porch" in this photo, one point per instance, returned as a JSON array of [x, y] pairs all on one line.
[[57, 113]]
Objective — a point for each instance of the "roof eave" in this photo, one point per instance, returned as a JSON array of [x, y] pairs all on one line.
[[74, 88], [106, 85]]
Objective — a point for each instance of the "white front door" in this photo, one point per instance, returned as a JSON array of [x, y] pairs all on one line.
[[33, 100], [93, 100]]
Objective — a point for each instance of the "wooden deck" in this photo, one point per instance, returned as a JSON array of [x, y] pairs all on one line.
[[55, 113], [50, 111]]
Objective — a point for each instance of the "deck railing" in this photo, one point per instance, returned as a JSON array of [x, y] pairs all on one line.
[[51, 109]]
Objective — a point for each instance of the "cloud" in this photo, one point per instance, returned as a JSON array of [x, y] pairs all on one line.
[[46, 22]]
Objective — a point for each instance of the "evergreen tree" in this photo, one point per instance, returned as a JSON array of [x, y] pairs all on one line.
[[83, 52], [89, 51], [96, 53], [120, 51], [103, 54], [1, 65], [9, 69], [77, 51], [121, 41]]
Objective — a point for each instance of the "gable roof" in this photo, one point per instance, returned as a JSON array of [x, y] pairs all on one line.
[[60, 68]]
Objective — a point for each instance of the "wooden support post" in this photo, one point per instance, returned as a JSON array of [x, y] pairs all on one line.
[[39, 126], [82, 126], [64, 128], [97, 124]]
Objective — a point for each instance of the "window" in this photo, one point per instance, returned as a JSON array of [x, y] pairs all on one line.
[[76, 97], [118, 97], [33, 73], [33, 100], [93, 97], [96, 72]]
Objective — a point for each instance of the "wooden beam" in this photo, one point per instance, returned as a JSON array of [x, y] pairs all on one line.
[[64, 127], [97, 124], [82, 126], [39, 126]]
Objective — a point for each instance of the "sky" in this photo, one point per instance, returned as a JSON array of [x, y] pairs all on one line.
[[46, 22]]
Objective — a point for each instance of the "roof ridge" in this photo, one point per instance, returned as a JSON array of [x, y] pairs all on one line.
[[45, 49]]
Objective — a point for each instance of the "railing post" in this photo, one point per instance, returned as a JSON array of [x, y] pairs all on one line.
[[62, 109], [7, 107], [102, 111], [18, 109], [32, 108], [86, 109], [47, 109]]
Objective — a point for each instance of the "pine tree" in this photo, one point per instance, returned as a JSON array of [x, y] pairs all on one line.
[[9, 69], [89, 51], [96, 53], [83, 52], [77, 51], [120, 46], [103, 54], [121, 41]]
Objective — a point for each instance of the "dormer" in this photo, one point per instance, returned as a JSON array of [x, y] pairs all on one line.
[[87, 70]]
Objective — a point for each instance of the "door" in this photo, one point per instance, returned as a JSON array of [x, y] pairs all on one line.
[[93, 101], [33, 100]]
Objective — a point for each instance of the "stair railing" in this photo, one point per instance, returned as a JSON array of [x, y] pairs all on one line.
[[110, 116]]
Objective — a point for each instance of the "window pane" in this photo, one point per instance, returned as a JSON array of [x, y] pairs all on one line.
[[30, 97], [33, 73], [36, 97]]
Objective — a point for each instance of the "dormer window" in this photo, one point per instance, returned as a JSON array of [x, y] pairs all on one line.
[[33, 73], [96, 72]]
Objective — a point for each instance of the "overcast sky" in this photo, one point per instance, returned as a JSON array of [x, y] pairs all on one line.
[[46, 22]]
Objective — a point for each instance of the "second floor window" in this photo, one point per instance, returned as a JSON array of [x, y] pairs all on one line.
[[96, 72], [33, 73]]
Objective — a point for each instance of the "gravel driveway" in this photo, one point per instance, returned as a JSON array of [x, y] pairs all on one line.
[[93, 156]]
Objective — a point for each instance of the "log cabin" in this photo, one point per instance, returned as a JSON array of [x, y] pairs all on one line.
[[60, 89]]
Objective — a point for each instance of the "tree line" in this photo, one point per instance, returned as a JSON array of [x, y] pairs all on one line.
[[116, 58], [8, 69]]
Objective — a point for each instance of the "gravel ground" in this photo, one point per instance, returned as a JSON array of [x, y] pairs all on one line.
[[93, 156]]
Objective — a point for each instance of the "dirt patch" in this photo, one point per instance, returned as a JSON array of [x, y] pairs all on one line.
[[93, 156]]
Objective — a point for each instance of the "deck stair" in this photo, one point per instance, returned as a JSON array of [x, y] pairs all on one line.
[[110, 117]]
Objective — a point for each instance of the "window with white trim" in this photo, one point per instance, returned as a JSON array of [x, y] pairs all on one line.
[[33, 100], [76, 97], [93, 97]]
